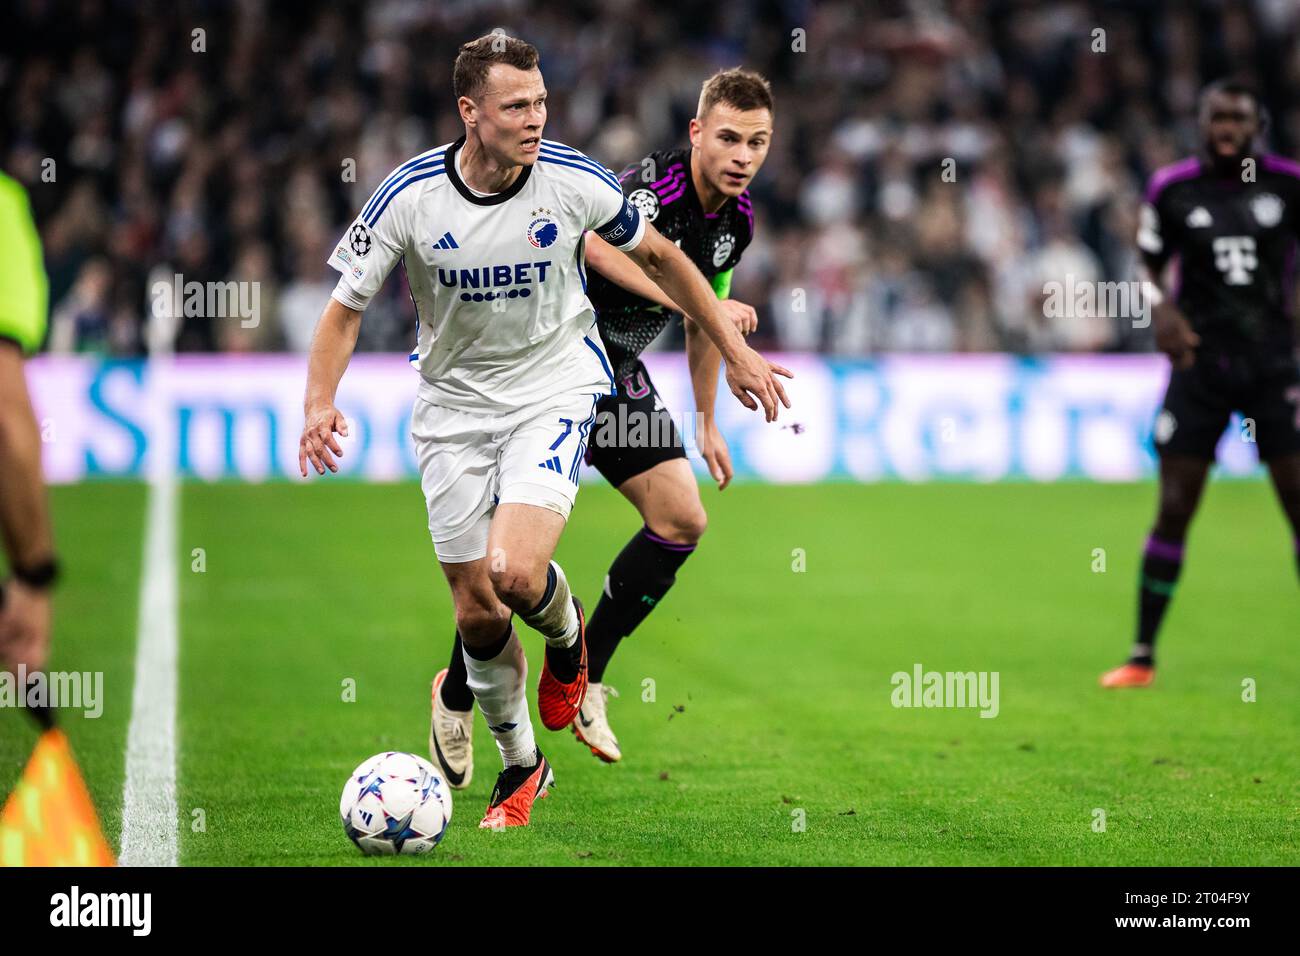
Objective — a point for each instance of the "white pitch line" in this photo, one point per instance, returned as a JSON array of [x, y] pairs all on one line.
[[149, 816]]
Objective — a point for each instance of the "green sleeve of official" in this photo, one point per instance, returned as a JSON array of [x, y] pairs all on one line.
[[722, 284], [24, 290]]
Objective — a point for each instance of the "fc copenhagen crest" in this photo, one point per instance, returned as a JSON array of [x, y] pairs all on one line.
[[543, 230]]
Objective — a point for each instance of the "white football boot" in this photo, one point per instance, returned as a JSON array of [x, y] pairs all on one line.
[[451, 739], [592, 726]]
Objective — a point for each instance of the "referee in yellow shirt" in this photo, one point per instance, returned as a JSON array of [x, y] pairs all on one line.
[[24, 515]]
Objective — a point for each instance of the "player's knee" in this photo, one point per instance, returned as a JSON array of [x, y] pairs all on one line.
[[479, 620], [516, 587], [1176, 509], [684, 527]]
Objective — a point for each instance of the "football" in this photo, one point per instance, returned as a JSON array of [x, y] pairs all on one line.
[[395, 803]]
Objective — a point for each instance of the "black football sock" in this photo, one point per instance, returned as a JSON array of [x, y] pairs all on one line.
[[637, 581], [1297, 553], [564, 661], [1161, 564], [455, 691]]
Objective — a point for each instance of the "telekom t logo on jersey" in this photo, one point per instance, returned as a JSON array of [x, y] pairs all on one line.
[[1234, 256]]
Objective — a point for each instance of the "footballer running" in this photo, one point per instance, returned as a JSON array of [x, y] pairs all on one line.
[[698, 197], [491, 230]]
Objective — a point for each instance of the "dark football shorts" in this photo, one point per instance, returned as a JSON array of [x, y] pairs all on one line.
[[1200, 401], [633, 431]]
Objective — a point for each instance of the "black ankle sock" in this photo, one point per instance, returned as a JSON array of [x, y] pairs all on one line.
[[564, 661], [455, 686], [638, 579], [1161, 564]]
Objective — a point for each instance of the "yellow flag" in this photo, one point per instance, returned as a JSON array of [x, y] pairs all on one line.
[[49, 819]]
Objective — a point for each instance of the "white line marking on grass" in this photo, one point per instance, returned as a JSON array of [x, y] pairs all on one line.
[[149, 816]]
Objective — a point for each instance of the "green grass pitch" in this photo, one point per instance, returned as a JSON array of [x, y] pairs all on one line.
[[771, 738]]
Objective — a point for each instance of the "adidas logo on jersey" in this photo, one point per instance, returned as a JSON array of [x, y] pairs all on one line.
[[446, 242], [1199, 218]]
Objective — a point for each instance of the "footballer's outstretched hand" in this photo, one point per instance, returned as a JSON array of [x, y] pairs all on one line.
[[748, 373], [714, 451], [318, 439], [742, 316], [751, 374]]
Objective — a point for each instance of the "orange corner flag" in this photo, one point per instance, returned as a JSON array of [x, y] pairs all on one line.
[[49, 819]]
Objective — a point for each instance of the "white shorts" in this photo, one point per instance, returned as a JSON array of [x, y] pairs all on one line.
[[470, 462]]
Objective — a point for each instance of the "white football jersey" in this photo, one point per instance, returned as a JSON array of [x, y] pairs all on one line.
[[498, 280]]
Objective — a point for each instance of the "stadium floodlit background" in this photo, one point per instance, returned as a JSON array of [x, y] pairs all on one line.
[[227, 164], [936, 165]]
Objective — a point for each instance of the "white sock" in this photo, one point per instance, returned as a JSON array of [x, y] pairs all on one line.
[[558, 619], [498, 685]]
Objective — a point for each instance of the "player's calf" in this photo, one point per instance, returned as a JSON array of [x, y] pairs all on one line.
[[1182, 478], [480, 615], [668, 499], [496, 671], [1162, 564], [637, 581], [498, 674], [481, 626], [524, 578]]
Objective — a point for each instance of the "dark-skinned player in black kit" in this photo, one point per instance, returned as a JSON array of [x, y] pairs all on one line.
[[1231, 217]]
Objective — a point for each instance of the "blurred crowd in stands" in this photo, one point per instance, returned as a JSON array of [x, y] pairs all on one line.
[[935, 162]]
